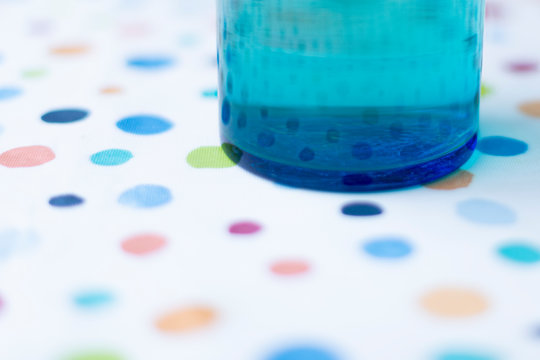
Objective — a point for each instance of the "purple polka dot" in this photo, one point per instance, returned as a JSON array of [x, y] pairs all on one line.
[[244, 228]]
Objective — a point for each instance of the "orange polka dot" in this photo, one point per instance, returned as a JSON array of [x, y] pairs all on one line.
[[111, 90], [143, 244], [289, 267], [457, 180], [454, 302], [70, 49], [531, 108], [26, 156], [186, 319]]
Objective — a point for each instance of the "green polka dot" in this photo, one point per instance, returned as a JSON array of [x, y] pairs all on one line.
[[214, 157], [485, 90], [33, 73], [95, 355]]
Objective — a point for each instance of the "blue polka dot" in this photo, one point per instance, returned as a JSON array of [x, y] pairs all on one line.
[[150, 62], [303, 353], [486, 212], [520, 253], [144, 124], [225, 112], [502, 146], [356, 180], [389, 248], [465, 355], [13, 240], [210, 93], [361, 209], [9, 92], [111, 157], [293, 125], [145, 196], [64, 116], [536, 331], [362, 151], [306, 154], [265, 139], [241, 122], [93, 299], [65, 200]]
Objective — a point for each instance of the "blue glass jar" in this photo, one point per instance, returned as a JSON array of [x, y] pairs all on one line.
[[350, 95]]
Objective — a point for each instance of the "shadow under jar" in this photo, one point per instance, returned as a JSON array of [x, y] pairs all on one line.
[[349, 95]]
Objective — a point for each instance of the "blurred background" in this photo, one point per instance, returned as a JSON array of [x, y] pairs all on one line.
[[125, 233]]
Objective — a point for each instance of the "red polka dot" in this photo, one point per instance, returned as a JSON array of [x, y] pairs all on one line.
[[143, 244], [244, 228], [26, 156], [289, 267]]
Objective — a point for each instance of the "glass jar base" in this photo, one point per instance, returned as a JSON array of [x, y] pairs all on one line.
[[343, 181]]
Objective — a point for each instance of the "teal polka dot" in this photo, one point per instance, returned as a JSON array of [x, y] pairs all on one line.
[[111, 157], [520, 253]]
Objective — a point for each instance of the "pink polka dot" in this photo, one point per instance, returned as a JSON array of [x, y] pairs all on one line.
[[135, 29], [143, 244], [26, 156], [522, 66], [1, 305], [289, 267], [494, 11], [244, 228]]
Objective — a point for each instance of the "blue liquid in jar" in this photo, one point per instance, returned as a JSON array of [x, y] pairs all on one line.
[[350, 95]]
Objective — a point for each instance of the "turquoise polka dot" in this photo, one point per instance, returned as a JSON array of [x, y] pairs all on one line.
[[93, 299], [388, 248], [520, 253], [144, 124], [483, 211], [303, 353], [210, 93], [145, 196], [111, 157], [9, 92], [458, 355]]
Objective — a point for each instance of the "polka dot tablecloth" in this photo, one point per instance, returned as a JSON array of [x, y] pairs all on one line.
[[126, 233]]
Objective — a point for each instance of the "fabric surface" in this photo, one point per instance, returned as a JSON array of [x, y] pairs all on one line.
[[126, 233]]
